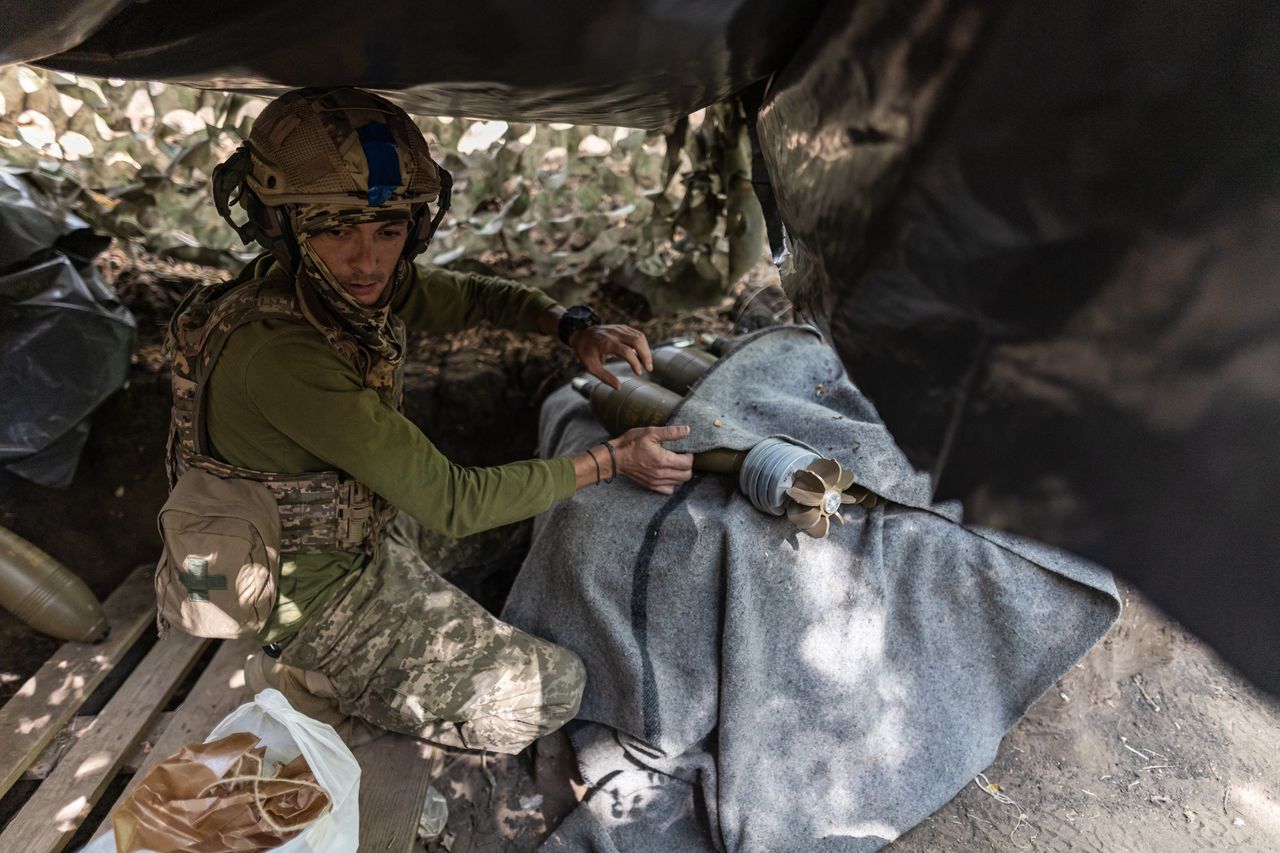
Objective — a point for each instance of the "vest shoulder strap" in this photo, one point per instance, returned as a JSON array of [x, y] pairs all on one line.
[[320, 510]]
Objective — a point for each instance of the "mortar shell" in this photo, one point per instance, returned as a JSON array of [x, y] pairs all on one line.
[[721, 460], [641, 403], [719, 346], [638, 403], [45, 595], [677, 368]]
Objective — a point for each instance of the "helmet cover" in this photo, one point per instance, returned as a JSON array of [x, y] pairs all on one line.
[[318, 158], [345, 149]]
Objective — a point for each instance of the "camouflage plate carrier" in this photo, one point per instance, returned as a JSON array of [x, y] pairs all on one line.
[[319, 511]]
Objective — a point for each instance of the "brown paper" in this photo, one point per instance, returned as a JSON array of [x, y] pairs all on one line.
[[214, 797]]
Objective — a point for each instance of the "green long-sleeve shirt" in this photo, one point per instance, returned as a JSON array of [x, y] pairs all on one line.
[[280, 399]]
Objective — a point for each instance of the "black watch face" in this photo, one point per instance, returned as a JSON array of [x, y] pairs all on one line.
[[575, 319]]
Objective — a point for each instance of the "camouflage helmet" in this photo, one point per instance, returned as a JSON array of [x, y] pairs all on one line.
[[345, 149], [339, 146]]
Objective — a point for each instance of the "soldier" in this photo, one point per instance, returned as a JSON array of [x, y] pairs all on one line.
[[290, 375]]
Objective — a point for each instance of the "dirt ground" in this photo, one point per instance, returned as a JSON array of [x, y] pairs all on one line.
[[1149, 744]]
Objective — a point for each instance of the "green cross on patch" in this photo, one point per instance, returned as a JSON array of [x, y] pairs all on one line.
[[196, 578]]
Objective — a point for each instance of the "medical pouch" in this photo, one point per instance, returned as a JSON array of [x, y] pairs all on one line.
[[220, 568]]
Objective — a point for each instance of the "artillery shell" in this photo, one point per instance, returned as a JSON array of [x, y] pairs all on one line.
[[45, 595]]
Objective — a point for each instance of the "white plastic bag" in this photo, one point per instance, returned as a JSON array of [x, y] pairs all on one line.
[[285, 733]]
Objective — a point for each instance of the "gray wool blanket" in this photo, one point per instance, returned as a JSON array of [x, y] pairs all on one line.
[[751, 688]]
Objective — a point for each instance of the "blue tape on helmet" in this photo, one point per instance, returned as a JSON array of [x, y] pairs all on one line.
[[384, 166]]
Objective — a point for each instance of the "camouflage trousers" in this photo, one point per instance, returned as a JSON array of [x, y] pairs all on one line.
[[406, 651]]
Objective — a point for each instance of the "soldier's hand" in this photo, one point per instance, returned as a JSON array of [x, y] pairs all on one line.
[[594, 344], [641, 457]]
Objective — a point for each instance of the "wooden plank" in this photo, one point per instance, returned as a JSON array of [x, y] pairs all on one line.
[[51, 697], [53, 813], [218, 691], [65, 739], [395, 771]]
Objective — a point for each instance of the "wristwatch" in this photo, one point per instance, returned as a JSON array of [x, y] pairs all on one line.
[[575, 319]]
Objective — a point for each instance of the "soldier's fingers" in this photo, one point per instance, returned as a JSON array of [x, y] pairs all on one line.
[[676, 477], [669, 433], [676, 461], [595, 366], [641, 344], [630, 355], [608, 378]]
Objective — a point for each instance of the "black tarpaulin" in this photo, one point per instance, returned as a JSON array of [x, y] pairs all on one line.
[[65, 340], [640, 64], [1051, 260]]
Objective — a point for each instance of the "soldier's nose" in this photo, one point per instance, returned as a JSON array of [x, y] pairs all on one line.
[[362, 259]]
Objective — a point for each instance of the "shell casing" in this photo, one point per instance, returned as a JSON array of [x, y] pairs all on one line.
[[719, 346], [641, 403], [46, 595], [638, 403], [677, 368], [721, 460]]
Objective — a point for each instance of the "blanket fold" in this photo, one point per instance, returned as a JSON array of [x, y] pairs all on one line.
[[752, 688]]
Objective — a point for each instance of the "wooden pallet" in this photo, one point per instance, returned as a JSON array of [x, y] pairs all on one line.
[[77, 757]]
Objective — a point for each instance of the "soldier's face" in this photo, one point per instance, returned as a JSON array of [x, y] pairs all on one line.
[[362, 257]]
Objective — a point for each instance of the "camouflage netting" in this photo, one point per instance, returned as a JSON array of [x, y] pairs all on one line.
[[668, 214], [1041, 234]]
